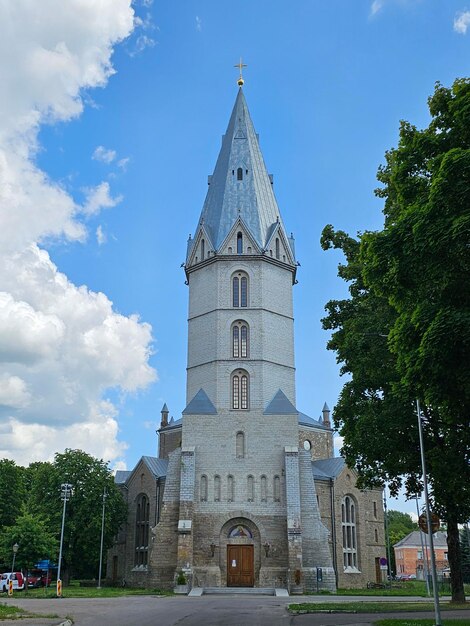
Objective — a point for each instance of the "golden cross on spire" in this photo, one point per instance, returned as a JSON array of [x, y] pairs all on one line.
[[240, 66]]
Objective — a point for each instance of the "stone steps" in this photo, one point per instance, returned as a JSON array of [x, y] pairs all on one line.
[[252, 591]]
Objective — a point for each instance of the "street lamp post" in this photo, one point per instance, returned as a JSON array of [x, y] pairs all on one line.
[[15, 550], [424, 553], [437, 610], [105, 495], [65, 493]]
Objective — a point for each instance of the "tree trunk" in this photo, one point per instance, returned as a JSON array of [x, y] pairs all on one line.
[[455, 561]]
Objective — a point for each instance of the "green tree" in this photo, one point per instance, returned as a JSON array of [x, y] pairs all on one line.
[[34, 538], [399, 526], [12, 491], [89, 477], [405, 331]]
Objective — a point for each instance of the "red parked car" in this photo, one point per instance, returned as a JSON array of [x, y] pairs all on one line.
[[39, 578]]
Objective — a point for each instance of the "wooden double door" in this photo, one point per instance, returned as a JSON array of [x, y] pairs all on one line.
[[240, 566]]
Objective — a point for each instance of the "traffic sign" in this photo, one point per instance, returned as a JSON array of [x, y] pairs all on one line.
[[435, 523]]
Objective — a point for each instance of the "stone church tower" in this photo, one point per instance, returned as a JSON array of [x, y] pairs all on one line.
[[237, 501]]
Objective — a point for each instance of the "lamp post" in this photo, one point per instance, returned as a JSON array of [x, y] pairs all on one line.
[[105, 495], [15, 550], [65, 493], [424, 553], [437, 610]]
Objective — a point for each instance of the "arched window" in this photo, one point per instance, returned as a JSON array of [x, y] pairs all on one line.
[[203, 250], [230, 488], [240, 445], [348, 525], [250, 486], [277, 489], [240, 340], [142, 531], [240, 290], [203, 488], [216, 488], [239, 173], [278, 253], [264, 489], [240, 391]]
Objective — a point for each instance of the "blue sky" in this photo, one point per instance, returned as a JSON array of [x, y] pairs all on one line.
[[129, 153]]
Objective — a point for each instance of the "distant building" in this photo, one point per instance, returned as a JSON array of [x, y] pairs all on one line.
[[411, 559], [246, 490]]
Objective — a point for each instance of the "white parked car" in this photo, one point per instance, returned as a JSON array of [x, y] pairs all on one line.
[[16, 578]]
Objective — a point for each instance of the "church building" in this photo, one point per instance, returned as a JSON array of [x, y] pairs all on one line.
[[246, 490]]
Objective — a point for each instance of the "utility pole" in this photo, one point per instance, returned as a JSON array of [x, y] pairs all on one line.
[[424, 553], [65, 493], [437, 609], [105, 495]]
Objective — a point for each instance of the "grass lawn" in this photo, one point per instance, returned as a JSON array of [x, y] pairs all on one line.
[[75, 591], [371, 607], [8, 611], [419, 622]]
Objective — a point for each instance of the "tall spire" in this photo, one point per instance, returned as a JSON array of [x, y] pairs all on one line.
[[240, 187]]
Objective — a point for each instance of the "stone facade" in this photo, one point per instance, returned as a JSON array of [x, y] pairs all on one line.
[[253, 495]]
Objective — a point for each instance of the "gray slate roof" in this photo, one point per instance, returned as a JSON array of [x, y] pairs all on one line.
[[280, 405], [413, 540], [200, 405], [158, 467], [252, 199], [328, 468], [121, 476], [305, 420], [173, 424]]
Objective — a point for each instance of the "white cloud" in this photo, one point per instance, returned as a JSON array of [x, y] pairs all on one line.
[[338, 444], [142, 42], [61, 346], [462, 22], [376, 6], [104, 155], [98, 198], [101, 236], [123, 163], [198, 23]]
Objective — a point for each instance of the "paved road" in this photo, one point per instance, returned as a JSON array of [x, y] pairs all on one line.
[[204, 611]]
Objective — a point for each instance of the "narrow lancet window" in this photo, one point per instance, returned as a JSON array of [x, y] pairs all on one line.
[[240, 445], [264, 489], [244, 342], [239, 243], [348, 523], [239, 173], [203, 251], [230, 488], [277, 489], [250, 489], [203, 488], [244, 291], [240, 390], [216, 488], [278, 252], [236, 342], [236, 291]]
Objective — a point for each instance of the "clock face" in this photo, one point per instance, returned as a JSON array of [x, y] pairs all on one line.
[[307, 445]]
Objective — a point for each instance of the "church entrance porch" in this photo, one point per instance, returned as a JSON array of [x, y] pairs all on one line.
[[240, 566]]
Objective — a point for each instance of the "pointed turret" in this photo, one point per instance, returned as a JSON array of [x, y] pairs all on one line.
[[241, 193], [326, 415], [164, 412]]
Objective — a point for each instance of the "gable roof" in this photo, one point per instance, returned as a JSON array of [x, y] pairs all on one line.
[[252, 197], [200, 405], [413, 540], [328, 468], [280, 405]]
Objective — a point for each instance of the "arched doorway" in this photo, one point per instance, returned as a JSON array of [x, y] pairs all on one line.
[[240, 554]]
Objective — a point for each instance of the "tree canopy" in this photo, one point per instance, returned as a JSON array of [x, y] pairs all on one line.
[[89, 477], [405, 331]]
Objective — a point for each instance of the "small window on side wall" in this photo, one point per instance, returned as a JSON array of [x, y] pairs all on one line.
[[239, 173], [239, 243]]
